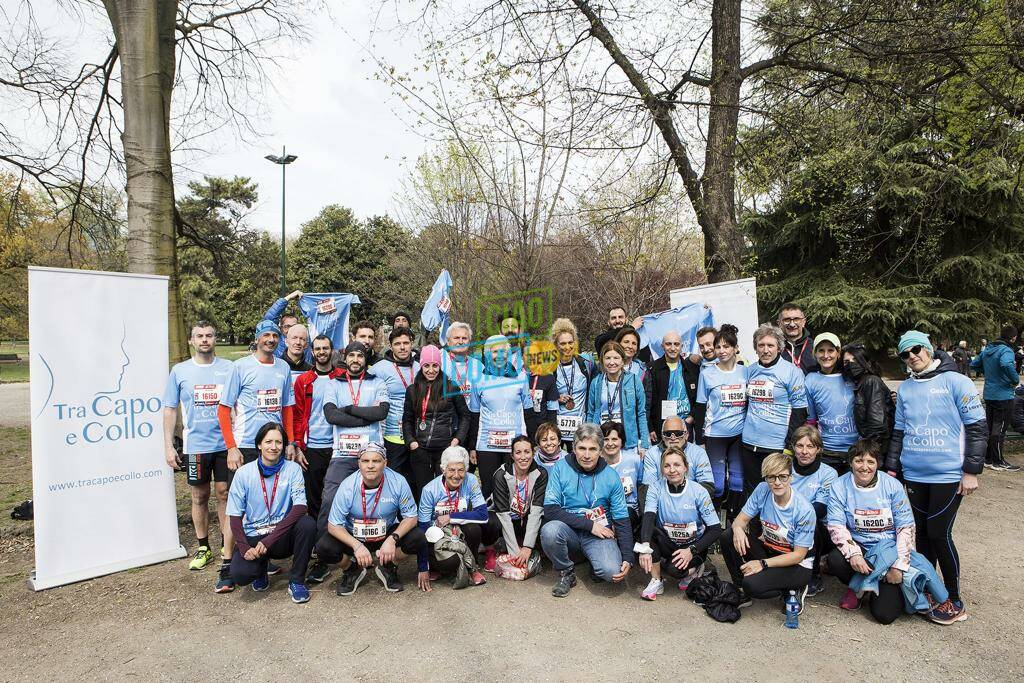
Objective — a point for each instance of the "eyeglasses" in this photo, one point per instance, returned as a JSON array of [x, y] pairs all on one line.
[[777, 478], [916, 349], [791, 321], [673, 433]]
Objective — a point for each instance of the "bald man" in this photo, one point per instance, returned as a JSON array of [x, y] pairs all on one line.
[[296, 341], [667, 384]]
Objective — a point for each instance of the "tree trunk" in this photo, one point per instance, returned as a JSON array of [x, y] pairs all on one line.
[[144, 34], [723, 242]]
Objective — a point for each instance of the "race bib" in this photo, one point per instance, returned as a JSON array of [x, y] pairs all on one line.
[[616, 416], [351, 444], [263, 530], [776, 536], [500, 438], [733, 395], [369, 529], [761, 390], [325, 306], [681, 533], [206, 394], [568, 424], [669, 409], [447, 507], [268, 400], [596, 515], [538, 399], [872, 521], [627, 485], [444, 305]]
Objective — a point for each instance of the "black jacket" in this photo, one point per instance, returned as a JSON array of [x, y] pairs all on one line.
[[874, 411], [657, 390], [801, 353], [504, 489], [545, 384], [447, 418], [975, 435]]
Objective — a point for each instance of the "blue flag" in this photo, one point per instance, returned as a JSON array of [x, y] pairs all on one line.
[[328, 314], [685, 320], [436, 311]]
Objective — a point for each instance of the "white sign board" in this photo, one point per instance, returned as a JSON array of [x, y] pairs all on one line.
[[103, 494], [733, 302]]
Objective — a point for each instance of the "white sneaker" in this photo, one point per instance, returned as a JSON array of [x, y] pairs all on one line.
[[655, 588]]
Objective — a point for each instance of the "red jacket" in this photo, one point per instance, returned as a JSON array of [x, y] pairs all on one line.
[[303, 401]]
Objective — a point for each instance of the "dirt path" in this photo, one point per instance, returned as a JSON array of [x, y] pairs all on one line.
[[14, 404]]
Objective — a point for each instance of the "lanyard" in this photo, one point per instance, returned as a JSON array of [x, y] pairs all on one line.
[[423, 409], [521, 502], [610, 399], [398, 369], [448, 498], [798, 358], [536, 378], [273, 493], [355, 397], [455, 366], [571, 381], [376, 498]]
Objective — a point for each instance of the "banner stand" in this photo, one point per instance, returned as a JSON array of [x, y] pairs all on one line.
[[113, 568]]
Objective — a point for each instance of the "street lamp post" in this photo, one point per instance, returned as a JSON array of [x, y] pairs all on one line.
[[283, 160]]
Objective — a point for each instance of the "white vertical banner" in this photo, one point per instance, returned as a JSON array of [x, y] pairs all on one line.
[[733, 302], [103, 494]]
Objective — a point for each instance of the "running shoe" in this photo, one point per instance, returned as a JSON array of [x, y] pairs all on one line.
[[273, 569], [948, 613], [801, 596], [477, 578], [261, 584], [318, 573], [388, 575], [566, 580], [490, 560], [815, 587], [654, 588], [350, 579], [299, 592], [690, 575], [202, 558], [225, 584], [1007, 466], [745, 599], [850, 601]]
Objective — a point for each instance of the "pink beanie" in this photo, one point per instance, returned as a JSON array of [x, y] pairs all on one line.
[[430, 354]]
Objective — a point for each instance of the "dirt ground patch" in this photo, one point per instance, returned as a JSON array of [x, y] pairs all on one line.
[[164, 622]]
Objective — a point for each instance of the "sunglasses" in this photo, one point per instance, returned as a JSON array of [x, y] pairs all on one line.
[[674, 433], [916, 349], [780, 478]]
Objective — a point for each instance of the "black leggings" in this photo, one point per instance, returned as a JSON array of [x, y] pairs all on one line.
[[767, 583], [998, 414], [319, 460], [752, 457], [840, 462], [330, 550], [664, 547], [487, 463], [296, 543], [935, 507], [426, 466], [887, 606]]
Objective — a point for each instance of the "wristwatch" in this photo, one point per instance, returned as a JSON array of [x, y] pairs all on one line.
[[764, 564], [396, 537]]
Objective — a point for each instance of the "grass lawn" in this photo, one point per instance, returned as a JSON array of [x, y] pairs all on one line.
[[18, 372]]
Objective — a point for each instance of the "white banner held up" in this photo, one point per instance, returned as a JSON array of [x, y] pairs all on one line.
[[733, 302], [103, 494]]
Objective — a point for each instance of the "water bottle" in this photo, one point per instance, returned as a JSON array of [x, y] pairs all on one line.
[[792, 611]]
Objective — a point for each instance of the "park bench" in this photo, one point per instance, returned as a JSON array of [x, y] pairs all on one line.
[[9, 358]]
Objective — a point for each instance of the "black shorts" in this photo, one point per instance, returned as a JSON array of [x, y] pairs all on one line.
[[202, 466]]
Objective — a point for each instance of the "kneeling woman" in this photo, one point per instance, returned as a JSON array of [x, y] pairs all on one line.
[[585, 515], [867, 507], [779, 559], [679, 526], [267, 511], [518, 499], [453, 501], [364, 523], [628, 464]]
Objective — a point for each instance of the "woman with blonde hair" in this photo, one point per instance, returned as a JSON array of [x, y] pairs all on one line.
[[572, 380]]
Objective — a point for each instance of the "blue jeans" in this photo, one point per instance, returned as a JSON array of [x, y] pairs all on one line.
[[724, 451], [563, 545]]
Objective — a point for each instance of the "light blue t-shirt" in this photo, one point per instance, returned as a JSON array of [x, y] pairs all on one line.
[[198, 388], [685, 515], [500, 402], [397, 378], [699, 469], [786, 527], [725, 394], [630, 469], [772, 394], [870, 514], [611, 398], [383, 505], [437, 500], [258, 392], [368, 391], [245, 499], [815, 486], [321, 432], [932, 414], [830, 402], [464, 372]]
